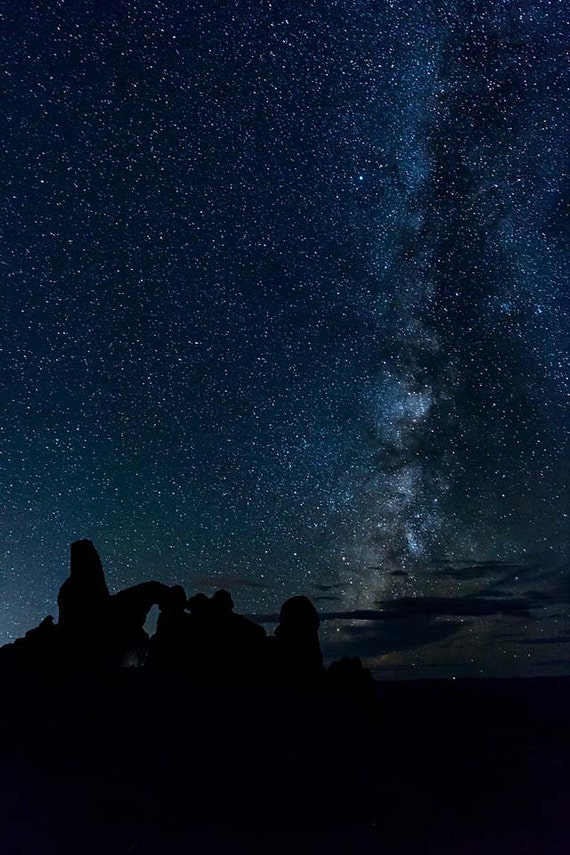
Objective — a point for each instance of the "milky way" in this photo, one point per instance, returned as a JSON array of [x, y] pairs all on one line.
[[286, 305], [469, 300]]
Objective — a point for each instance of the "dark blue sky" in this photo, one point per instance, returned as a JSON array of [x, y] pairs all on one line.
[[286, 308]]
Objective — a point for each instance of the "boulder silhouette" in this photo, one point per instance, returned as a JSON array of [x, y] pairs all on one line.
[[348, 675], [201, 657], [171, 645], [296, 651], [238, 643], [198, 605]]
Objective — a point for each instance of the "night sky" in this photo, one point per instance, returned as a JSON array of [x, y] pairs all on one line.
[[286, 310]]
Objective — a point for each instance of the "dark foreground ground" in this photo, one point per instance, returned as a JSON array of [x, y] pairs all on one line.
[[137, 763]]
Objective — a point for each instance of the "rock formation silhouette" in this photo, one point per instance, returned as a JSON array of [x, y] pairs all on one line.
[[124, 635], [230, 741], [349, 675], [239, 643], [84, 595], [202, 638], [171, 645], [296, 650]]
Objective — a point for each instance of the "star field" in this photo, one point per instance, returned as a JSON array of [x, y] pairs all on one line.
[[285, 297]]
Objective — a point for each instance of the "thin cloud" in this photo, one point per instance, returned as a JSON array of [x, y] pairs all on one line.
[[377, 639], [330, 587], [403, 608], [552, 639], [475, 606], [228, 582], [481, 570]]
